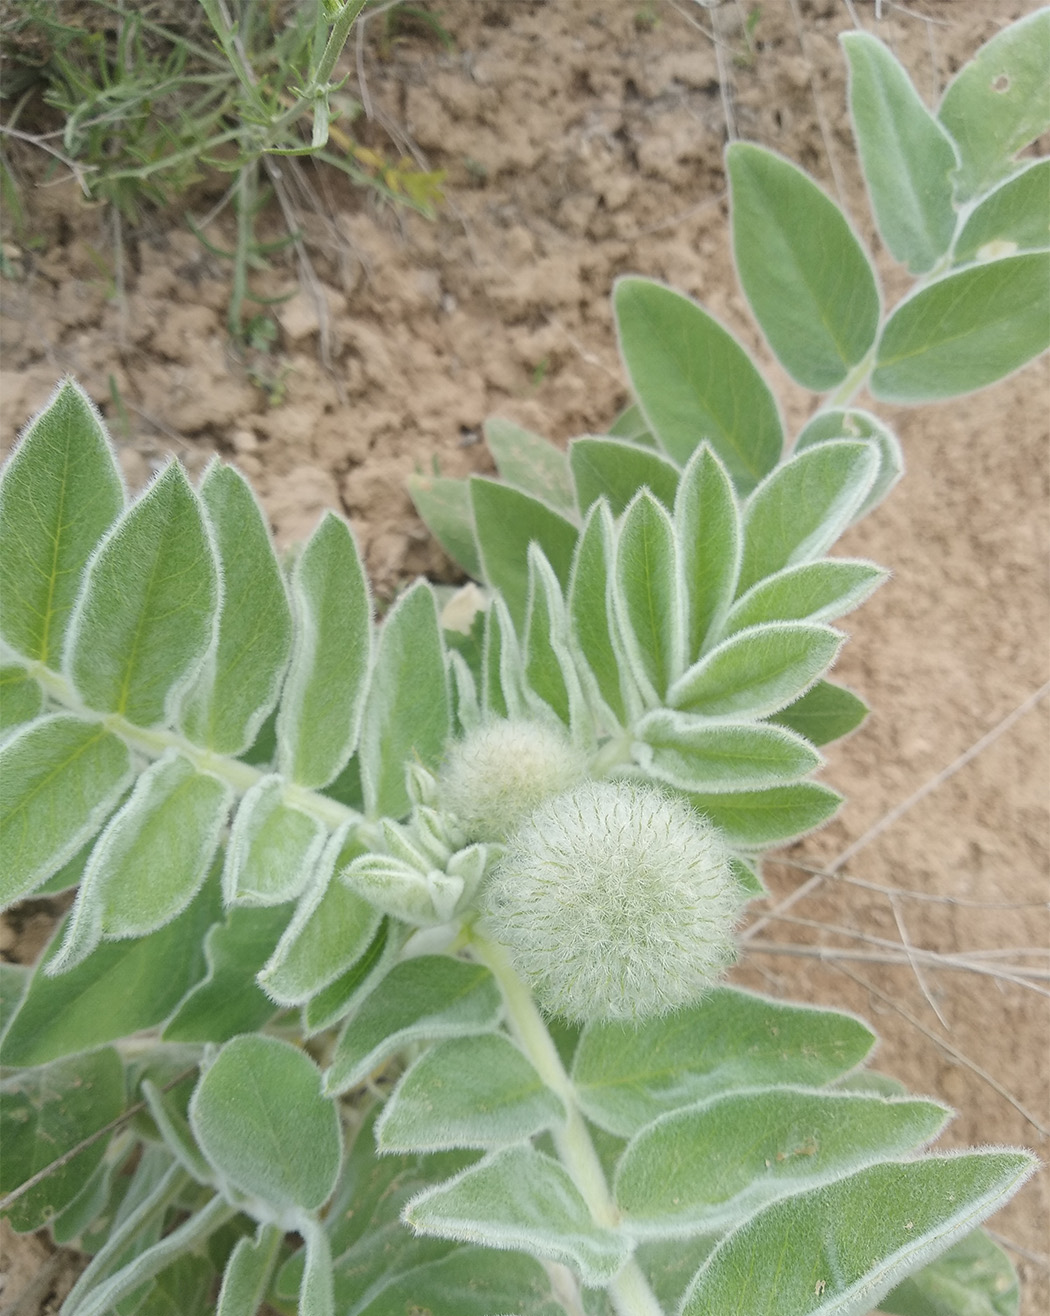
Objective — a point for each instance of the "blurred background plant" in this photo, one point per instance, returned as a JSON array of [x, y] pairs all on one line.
[[213, 102]]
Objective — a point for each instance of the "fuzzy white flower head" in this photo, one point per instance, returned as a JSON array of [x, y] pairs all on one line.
[[615, 901], [496, 775]]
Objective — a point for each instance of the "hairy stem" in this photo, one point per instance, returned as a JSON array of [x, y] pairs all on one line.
[[630, 1290]]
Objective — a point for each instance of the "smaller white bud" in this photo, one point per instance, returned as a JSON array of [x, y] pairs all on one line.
[[499, 773], [615, 901]]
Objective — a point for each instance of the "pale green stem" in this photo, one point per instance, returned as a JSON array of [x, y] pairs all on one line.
[[629, 1290], [152, 743]]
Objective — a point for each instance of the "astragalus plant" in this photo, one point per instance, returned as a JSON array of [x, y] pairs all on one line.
[[394, 977]]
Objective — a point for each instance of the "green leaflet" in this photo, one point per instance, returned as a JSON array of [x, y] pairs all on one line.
[[550, 675], [804, 506], [331, 929], [694, 381], [615, 470], [146, 613], [806, 276], [424, 999], [469, 1281], [973, 1278], [407, 714], [811, 591], [647, 597], [151, 859], [123, 987], [320, 712], [273, 847], [824, 713], [530, 463], [906, 155], [693, 754], [506, 522], [594, 635], [519, 1198], [710, 542], [967, 330], [259, 1117], [237, 688], [60, 492], [60, 778], [1010, 219], [998, 103], [343, 994], [708, 1167], [21, 698], [477, 1091], [630, 424], [757, 671], [836, 1250], [836, 423], [733, 1040], [756, 820], [246, 1279], [227, 1000], [46, 1112], [444, 504]]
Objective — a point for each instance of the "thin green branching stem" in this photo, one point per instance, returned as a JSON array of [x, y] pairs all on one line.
[[630, 1290], [154, 742]]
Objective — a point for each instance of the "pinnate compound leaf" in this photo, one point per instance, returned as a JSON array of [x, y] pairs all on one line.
[[475, 1091], [594, 634], [46, 1112], [124, 987], [469, 1281], [627, 1077], [423, 999], [1012, 218], [445, 507], [824, 713], [999, 102], [146, 614], [521, 1199], [60, 778], [407, 714], [708, 1167], [21, 698], [695, 382], [237, 688], [755, 820], [506, 522], [836, 423], [757, 671], [60, 492], [648, 598], [262, 1122], [906, 155], [273, 847], [836, 1250], [615, 470], [320, 712], [811, 591], [806, 276], [799, 512], [969, 329], [973, 1278], [693, 754], [530, 463], [227, 1001], [331, 929]]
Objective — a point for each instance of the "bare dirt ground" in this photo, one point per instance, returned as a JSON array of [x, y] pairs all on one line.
[[583, 139]]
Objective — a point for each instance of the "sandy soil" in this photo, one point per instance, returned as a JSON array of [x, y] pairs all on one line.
[[583, 140]]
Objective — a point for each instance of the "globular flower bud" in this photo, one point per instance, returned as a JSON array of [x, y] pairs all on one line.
[[501, 771], [615, 901]]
